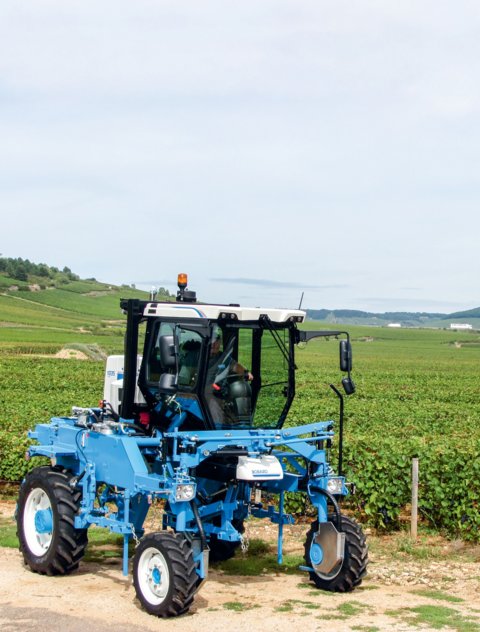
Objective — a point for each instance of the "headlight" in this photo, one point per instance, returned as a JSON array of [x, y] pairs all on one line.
[[335, 485], [184, 492]]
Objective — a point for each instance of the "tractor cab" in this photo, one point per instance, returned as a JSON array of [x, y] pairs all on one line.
[[222, 373], [210, 367]]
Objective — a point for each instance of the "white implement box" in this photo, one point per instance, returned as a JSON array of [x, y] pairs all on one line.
[[113, 387]]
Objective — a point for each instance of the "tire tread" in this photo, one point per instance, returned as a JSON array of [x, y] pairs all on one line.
[[177, 550], [355, 562], [68, 544]]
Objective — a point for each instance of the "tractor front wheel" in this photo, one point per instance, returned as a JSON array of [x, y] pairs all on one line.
[[164, 574], [355, 558], [46, 509]]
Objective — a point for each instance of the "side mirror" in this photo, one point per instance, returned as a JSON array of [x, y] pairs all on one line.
[[167, 352], [345, 356], [168, 382], [348, 385]]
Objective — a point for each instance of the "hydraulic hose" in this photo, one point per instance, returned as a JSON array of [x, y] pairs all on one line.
[[198, 520]]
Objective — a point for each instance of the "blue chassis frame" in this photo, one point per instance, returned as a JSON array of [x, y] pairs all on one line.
[[137, 469]]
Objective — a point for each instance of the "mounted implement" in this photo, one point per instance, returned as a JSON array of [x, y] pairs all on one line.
[[194, 416]]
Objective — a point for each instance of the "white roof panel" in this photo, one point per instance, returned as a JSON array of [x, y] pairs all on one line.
[[213, 312]]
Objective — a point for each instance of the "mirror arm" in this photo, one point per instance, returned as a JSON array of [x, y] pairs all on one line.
[[340, 429], [305, 336]]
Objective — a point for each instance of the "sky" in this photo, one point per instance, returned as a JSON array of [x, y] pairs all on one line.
[[266, 148]]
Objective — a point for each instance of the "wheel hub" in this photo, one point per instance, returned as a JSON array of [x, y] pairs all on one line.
[[44, 521], [156, 575], [316, 553], [155, 579]]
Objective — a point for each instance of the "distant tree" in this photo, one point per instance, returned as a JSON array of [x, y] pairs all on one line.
[[11, 268], [20, 272], [43, 270], [70, 275]]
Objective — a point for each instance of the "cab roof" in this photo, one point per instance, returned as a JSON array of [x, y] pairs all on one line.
[[215, 312]]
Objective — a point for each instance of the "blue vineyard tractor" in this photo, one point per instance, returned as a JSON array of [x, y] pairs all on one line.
[[193, 419]]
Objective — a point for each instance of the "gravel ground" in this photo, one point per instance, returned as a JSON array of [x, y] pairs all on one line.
[[99, 597]]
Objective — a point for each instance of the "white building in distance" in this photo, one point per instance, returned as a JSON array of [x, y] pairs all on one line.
[[397, 325], [460, 326]]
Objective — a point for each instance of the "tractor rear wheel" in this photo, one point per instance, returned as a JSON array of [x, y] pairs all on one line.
[[164, 574], [47, 505], [355, 559]]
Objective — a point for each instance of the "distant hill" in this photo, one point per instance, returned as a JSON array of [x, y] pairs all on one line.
[[405, 319], [40, 294], [24, 275], [45, 297], [471, 313]]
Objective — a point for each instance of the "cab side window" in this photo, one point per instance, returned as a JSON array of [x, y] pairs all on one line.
[[189, 345]]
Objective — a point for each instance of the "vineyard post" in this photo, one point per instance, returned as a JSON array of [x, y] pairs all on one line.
[[414, 515]]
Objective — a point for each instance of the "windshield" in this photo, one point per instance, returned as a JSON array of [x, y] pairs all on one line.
[[248, 377]]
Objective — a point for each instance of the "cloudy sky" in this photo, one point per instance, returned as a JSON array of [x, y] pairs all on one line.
[[264, 147]]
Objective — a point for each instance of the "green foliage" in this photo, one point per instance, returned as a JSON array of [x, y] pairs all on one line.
[[448, 489], [417, 395], [296, 504], [13, 447], [32, 390]]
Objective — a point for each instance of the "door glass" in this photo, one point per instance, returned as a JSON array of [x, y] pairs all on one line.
[[272, 395], [189, 347]]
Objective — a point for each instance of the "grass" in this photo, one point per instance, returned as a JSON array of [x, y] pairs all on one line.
[[351, 608], [344, 610], [80, 311], [238, 606], [436, 618], [438, 595], [259, 560], [104, 545], [8, 533]]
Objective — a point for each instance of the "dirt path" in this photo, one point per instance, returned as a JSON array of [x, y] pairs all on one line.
[[393, 597]]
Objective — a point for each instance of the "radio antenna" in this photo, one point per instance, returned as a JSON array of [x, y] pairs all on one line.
[[301, 301]]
